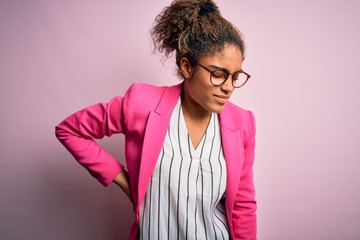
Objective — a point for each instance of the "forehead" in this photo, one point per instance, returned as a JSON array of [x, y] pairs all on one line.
[[230, 58]]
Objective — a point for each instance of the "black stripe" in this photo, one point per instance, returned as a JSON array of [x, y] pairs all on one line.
[[143, 215], [169, 191], [150, 193], [224, 223], [188, 187], [159, 198], [221, 172], [202, 147], [217, 206], [197, 179], [202, 189], [181, 161], [202, 199], [220, 210], [219, 226], [212, 175]]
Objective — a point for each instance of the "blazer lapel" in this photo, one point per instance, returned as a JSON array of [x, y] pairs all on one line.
[[155, 132], [156, 128], [234, 156]]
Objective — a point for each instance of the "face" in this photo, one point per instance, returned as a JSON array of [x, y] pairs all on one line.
[[199, 93]]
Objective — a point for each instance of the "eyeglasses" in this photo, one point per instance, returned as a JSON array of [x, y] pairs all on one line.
[[220, 76]]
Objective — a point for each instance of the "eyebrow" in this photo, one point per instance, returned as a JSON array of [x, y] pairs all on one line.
[[221, 68], [217, 67]]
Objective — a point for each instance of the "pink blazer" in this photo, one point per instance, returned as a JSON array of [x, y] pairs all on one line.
[[143, 116]]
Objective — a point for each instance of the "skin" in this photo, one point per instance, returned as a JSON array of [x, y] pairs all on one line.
[[122, 180], [199, 97]]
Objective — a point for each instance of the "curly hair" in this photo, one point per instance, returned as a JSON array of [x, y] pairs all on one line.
[[193, 28]]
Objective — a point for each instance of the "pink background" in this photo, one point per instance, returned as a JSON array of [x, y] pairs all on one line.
[[59, 56]]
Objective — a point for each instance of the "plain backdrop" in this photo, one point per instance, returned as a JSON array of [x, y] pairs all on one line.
[[57, 57]]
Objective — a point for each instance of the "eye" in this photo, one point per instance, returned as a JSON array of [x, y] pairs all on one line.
[[219, 74], [235, 76]]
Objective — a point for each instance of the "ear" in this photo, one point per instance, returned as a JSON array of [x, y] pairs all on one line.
[[186, 68]]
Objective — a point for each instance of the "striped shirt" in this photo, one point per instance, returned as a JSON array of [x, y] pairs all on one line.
[[184, 196]]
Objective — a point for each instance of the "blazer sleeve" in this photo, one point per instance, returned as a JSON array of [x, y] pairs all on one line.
[[244, 211], [78, 131]]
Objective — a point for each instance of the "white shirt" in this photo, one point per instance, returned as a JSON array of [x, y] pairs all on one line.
[[182, 200]]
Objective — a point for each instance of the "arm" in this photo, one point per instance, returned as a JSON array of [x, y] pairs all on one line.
[[122, 180], [78, 131], [244, 212]]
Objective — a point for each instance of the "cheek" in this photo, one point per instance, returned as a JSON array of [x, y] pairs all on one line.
[[201, 90], [203, 96]]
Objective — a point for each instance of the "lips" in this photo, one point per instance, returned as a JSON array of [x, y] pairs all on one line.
[[221, 98]]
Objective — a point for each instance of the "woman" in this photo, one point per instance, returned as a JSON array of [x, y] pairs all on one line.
[[189, 151]]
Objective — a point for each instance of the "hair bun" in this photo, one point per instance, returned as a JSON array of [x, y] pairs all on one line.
[[207, 8], [191, 29]]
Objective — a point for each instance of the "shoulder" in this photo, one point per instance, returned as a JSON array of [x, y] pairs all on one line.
[[144, 93], [141, 99], [145, 89], [238, 118], [151, 92], [235, 109], [235, 112], [148, 97]]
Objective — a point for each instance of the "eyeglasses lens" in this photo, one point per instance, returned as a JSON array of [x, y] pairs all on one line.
[[219, 76]]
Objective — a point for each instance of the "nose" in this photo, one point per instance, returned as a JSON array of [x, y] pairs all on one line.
[[227, 86]]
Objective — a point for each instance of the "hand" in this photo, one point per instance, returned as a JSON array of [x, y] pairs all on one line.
[[122, 180]]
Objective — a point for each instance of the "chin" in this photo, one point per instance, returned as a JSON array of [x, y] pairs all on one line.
[[217, 109]]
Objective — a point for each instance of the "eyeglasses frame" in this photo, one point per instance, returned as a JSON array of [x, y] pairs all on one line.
[[228, 74]]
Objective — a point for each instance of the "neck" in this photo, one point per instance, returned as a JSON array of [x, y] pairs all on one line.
[[192, 110]]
